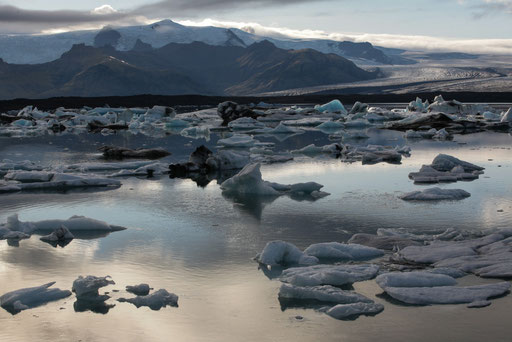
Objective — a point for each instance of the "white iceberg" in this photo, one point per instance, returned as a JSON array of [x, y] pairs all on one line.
[[281, 253], [333, 106]]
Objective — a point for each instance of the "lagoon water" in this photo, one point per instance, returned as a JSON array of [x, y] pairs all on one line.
[[193, 241]]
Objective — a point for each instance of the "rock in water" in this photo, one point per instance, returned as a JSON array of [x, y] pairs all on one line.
[[230, 111]]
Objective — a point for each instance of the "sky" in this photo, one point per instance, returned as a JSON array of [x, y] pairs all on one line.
[[479, 25]]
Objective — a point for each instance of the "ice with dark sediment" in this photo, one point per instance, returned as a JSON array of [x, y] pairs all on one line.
[[61, 234], [23, 299], [87, 288], [335, 275], [155, 301], [138, 290], [445, 168]]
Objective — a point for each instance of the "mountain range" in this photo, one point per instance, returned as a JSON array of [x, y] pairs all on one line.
[[175, 68], [33, 49]]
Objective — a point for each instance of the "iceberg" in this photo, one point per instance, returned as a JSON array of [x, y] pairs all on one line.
[[435, 194], [336, 275], [507, 117], [387, 243], [31, 297], [237, 141], [414, 279], [325, 293], [86, 288], [138, 290], [344, 311], [155, 301], [58, 235], [280, 253], [447, 294], [335, 106], [342, 251]]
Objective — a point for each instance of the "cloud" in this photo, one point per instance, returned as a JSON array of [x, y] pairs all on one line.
[[105, 9], [408, 42], [488, 7]]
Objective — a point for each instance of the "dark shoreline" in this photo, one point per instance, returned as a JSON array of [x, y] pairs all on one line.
[[200, 100]]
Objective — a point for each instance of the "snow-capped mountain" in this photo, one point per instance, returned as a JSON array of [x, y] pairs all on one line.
[[34, 49]]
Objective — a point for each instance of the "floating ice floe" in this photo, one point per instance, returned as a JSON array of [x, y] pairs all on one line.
[[344, 311], [432, 133], [154, 301], [95, 167], [280, 253], [26, 181], [249, 182], [330, 126], [116, 152], [228, 160], [312, 149], [31, 297], [138, 290], [414, 279], [435, 194], [150, 170], [445, 168], [7, 165], [238, 141], [61, 234], [448, 294], [387, 243], [324, 293], [342, 251], [245, 123], [335, 275]]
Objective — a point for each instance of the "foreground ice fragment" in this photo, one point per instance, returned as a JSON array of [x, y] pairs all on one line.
[[155, 301], [28, 298], [335, 275], [333, 106], [325, 293], [86, 288], [436, 194], [343, 311], [342, 251], [58, 235], [414, 279], [447, 294], [281, 253]]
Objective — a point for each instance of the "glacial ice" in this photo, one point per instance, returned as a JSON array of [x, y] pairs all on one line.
[[138, 290], [94, 166], [507, 117], [31, 297], [86, 288], [155, 301], [344, 311], [447, 294], [444, 162], [387, 243], [414, 279], [342, 251], [335, 275], [333, 106], [237, 141], [435, 194], [228, 160], [58, 235], [324, 293], [280, 253]]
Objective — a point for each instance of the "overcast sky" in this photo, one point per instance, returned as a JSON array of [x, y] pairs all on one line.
[[441, 22]]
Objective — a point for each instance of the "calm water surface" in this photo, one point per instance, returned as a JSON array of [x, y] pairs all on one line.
[[198, 244]]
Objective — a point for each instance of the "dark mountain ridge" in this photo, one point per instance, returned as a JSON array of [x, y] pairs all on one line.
[[173, 69]]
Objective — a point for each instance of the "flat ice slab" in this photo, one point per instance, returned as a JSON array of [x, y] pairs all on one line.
[[325, 293], [31, 297], [344, 311], [342, 251], [436, 194], [281, 253], [414, 279], [335, 275], [155, 301]]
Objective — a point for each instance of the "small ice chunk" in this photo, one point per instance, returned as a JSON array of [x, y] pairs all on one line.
[[436, 194], [447, 294], [342, 251], [414, 279], [479, 304], [335, 275], [444, 162], [281, 253], [343, 311], [31, 297], [155, 301], [325, 293], [139, 290], [86, 288], [238, 141]]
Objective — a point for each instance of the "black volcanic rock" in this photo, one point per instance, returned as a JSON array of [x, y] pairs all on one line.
[[177, 69], [233, 39], [141, 46]]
